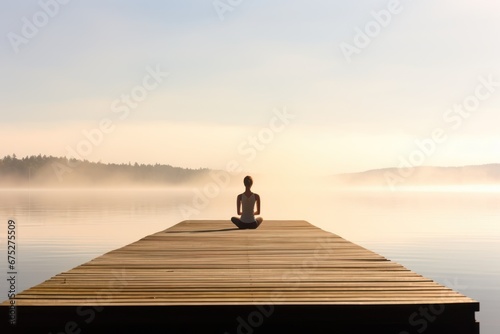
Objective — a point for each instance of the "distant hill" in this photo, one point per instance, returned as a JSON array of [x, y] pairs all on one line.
[[465, 175], [48, 171]]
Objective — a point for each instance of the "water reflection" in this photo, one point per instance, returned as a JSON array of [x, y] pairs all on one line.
[[451, 237]]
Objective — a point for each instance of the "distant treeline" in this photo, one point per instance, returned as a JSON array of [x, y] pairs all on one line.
[[62, 172], [463, 175]]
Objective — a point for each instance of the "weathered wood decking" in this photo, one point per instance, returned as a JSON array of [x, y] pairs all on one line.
[[289, 272]]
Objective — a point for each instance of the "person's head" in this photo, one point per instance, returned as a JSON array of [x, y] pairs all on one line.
[[248, 181]]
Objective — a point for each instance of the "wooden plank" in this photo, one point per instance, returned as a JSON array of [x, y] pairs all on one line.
[[211, 263]]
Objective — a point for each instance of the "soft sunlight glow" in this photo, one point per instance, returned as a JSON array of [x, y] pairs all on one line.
[[469, 188], [180, 86]]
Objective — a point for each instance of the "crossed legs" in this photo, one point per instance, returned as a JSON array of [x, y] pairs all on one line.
[[241, 225]]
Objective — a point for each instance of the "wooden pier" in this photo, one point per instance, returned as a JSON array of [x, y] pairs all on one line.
[[286, 276]]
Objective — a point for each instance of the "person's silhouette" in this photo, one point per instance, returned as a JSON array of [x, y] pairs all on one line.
[[245, 205]]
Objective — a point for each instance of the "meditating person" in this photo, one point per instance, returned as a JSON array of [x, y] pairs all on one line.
[[245, 205]]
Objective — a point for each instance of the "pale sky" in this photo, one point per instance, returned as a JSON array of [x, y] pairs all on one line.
[[289, 86]]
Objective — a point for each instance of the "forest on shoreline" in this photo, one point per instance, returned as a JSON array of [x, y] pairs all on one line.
[[60, 172], [49, 171]]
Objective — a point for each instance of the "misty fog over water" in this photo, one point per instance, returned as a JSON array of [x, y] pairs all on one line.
[[449, 236]]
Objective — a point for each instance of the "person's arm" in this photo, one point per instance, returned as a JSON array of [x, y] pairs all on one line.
[[238, 204], [257, 198]]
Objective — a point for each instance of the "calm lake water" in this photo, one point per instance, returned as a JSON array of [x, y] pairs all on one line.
[[452, 237]]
